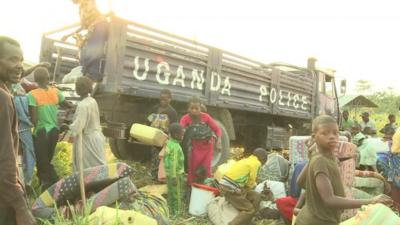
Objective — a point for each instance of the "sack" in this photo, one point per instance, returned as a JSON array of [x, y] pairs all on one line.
[[220, 212], [371, 185], [200, 131], [375, 214], [277, 188], [120, 189], [150, 205], [68, 190], [359, 194], [347, 167], [109, 216]]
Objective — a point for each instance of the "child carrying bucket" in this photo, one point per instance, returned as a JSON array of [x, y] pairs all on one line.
[[174, 169]]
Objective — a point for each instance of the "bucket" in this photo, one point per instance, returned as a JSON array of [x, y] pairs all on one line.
[[200, 197]]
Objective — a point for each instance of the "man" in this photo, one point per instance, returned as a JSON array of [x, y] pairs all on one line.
[[346, 122], [367, 122], [43, 109], [13, 205], [276, 168], [392, 124], [238, 183]]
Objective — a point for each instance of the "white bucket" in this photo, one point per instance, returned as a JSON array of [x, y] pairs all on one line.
[[199, 200]]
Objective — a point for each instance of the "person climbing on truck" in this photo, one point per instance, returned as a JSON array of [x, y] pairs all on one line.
[[201, 127]]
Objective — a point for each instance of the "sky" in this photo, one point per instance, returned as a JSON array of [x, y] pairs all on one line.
[[358, 39]]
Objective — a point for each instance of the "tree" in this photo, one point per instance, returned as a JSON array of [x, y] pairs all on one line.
[[363, 87]]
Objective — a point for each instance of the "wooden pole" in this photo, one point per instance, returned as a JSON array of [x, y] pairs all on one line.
[[80, 171]]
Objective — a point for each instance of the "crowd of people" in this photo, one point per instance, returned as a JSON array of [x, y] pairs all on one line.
[[29, 118]]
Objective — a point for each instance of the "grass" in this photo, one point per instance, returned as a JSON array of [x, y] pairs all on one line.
[[63, 164]]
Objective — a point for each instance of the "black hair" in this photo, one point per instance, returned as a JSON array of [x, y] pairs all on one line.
[[175, 130], [85, 84], [322, 120], [166, 92], [389, 130], [391, 116], [7, 40], [40, 73], [261, 154], [345, 111], [194, 100]]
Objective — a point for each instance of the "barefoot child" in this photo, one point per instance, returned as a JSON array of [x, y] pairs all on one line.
[[325, 196], [174, 169]]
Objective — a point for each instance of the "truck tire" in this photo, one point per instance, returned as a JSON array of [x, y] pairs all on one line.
[[223, 156], [122, 149]]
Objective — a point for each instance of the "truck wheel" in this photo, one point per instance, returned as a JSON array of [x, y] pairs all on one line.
[[221, 157], [122, 149]]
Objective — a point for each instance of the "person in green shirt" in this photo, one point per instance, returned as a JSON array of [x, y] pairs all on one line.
[[43, 109], [347, 123], [174, 169]]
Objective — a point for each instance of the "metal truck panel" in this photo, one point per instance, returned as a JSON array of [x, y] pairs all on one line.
[[141, 61]]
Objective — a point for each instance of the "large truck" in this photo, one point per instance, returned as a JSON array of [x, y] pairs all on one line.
[[256, 104]]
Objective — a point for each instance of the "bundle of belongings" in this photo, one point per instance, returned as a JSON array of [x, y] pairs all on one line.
[[372, 215], [104, 185]]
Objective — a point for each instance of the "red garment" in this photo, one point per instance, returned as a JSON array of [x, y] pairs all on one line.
[[285, 206], [202, 150]]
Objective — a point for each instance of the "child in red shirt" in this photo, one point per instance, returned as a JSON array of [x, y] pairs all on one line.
[[202, 148]]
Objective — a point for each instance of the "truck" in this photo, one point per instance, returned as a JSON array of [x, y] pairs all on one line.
[[256, 104]]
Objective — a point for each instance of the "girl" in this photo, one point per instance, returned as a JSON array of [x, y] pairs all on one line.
[[86, 128], [174, 169], [325, 196], [202, 142]]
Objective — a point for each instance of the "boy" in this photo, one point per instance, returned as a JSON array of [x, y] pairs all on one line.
[[324, 188], [392, 123], [238, 183], [43, 103], [174, 169], [347, 123], [162, 115], [25, 133]]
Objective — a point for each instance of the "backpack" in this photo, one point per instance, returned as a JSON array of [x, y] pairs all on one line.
[[200, 131]]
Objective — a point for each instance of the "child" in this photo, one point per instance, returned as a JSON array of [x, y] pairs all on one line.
[[174, 169], [324, 188], [161, 116], [25, 133], [86, 128], [43, 103], [237, 184], [202, 143]]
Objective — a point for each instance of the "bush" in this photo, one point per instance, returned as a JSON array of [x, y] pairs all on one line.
[[62, 160]]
